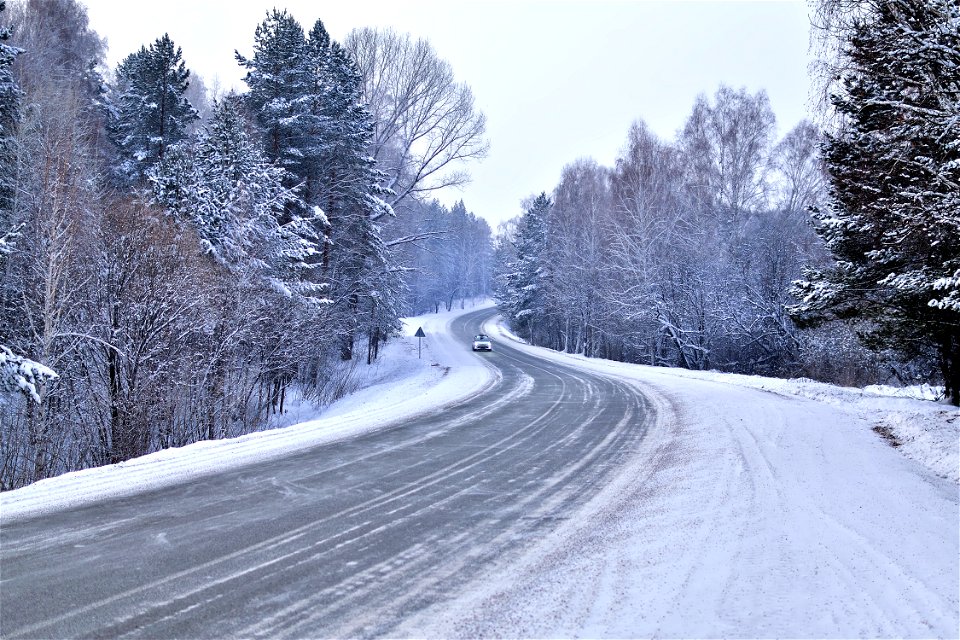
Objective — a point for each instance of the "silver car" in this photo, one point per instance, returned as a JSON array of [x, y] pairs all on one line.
[[482, 342]]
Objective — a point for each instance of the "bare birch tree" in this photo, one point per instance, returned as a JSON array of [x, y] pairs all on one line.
[[427, 123]]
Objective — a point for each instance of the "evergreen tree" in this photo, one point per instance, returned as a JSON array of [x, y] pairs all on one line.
[[281, 91], [150, 111], [235, 198], [306, 94], [521, 295], [894, 222]]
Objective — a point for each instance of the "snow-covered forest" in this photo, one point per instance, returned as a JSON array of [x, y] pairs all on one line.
[[701, 252], [173, 264]]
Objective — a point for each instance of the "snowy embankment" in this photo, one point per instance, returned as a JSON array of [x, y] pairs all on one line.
[[398, 387], [749, 510], [911, 419]]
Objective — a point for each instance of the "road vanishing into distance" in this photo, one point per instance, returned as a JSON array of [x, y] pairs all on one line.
[[344, 540]]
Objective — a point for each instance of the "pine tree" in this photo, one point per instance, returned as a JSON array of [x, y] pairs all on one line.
[[149, 108], [894, 222], [280, 95], [307, 96], [521, 294], [235, 198]]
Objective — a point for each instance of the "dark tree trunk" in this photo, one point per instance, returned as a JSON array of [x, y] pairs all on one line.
[[950, 365]]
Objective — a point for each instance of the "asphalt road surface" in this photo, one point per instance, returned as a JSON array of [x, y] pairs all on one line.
[[344, 540]]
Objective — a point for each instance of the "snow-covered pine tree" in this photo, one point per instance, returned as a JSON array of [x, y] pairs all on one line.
[[366, 284], [280, 91], [235, 198], [894, 163], [522, 288], [306, 94], [148, 106]]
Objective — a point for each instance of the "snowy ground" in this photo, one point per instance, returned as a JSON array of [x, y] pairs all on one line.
[[756, 508], [399, 386]]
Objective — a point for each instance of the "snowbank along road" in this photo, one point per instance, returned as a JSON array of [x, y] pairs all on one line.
[[347, 539]]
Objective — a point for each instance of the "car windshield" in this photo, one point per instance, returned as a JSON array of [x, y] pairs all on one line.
[[481, 337]]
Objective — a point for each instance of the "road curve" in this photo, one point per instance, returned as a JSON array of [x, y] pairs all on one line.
[[345, 540]]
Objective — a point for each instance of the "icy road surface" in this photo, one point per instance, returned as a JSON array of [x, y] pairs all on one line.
[[346, 539]]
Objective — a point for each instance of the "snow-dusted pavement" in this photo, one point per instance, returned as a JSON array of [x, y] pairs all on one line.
[[745, 513], [554, 503], [346, 539]]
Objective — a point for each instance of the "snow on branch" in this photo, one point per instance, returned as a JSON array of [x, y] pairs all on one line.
[[19, 374]]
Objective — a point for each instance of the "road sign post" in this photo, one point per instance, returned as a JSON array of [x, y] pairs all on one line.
[[420, 336]]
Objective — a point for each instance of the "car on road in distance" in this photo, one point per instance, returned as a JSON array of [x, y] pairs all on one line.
[[482, 342]]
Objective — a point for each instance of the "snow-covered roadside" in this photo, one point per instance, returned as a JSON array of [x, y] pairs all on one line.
[[745, 513], [922, 429], [398, 388]]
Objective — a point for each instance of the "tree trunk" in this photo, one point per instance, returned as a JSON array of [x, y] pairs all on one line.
[[950, 365]]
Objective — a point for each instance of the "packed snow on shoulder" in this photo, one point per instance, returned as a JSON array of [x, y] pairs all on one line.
[[916, 420], [399, 386]]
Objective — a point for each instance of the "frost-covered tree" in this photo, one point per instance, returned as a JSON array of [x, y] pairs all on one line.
[[22, 375], [306, 94], [149, 109], [727, 144], [799, 167], [365, 282], [235, 198], [522, 288], [577, 241], [893, 223], [281, 92]]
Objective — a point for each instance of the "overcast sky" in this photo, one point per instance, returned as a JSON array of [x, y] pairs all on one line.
[[557, 80]]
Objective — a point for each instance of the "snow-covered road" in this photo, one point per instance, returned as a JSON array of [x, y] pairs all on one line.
[[745, 514], [347, 539], [733, 511]]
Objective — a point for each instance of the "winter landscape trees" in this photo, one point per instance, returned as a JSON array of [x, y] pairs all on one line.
[[704, 239], [680, 255], [166, 279], [893, 220]]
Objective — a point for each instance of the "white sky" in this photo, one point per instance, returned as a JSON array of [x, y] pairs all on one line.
[[557, 80]]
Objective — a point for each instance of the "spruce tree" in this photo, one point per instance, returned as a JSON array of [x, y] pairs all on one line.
[[366, 286], [150, 110], [230, 192], [522, 289], [894, 222], [306, 94]]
